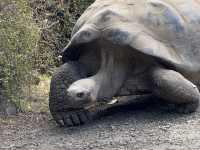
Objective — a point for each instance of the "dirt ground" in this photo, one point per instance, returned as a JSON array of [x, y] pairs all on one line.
[[149, 128]]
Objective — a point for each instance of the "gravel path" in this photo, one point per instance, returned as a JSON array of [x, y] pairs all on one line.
[[143, 129]]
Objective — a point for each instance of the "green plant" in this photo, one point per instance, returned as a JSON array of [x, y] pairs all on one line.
[[18, 40]]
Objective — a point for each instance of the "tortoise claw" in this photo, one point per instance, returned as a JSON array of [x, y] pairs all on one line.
[[73, 118]]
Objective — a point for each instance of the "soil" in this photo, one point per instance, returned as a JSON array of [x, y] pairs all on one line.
[[149, 128]]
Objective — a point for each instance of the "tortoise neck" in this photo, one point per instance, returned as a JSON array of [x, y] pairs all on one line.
[[112, 73]]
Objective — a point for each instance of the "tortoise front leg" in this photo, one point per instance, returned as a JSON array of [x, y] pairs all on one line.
[[174, 88], [59, 104]]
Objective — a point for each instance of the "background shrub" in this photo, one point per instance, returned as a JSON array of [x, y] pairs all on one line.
[[56, 21], [18, 39], [32, 34]]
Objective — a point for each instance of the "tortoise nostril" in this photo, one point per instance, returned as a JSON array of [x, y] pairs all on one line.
[[80, 94]]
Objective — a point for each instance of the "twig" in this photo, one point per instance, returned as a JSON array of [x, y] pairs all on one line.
[[50, 26], [121, 101]]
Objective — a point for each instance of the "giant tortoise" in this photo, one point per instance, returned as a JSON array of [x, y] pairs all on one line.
[[122, 48]]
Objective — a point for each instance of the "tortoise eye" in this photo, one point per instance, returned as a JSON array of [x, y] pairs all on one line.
[[80, 95]]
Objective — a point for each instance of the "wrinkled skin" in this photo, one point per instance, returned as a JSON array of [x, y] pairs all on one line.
[[129, 47]]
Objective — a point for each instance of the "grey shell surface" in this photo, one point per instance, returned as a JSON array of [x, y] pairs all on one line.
[[168, 30]]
